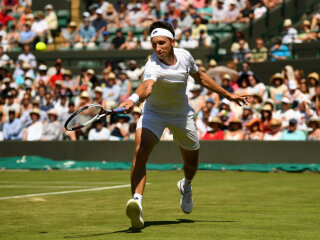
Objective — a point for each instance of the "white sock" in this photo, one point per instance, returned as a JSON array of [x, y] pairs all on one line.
[[187, 183], [137, 197]]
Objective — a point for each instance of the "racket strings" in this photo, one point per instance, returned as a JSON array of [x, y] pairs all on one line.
[[84, 117]]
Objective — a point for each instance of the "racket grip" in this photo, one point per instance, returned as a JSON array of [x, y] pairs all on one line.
[[119, 110]]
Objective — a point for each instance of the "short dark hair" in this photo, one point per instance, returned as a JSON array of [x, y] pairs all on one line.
[[161, 24]]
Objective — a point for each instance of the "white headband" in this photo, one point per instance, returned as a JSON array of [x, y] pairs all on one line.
[[161, 32]]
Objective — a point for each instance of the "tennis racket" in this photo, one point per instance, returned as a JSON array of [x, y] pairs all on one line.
[[87, 115]]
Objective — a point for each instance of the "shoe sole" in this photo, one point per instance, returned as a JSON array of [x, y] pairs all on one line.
[[133, 212], [180, 191]]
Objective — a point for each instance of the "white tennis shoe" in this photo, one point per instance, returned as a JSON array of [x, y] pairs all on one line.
[[186, 201], [134, 212]]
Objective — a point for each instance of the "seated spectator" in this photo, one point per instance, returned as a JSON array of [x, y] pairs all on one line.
[[111, 92], [286, 113], [63, 118], [123, 16], [87, 36], [259, 9], [120, 129], [197, 27], [304, 89], [51, 130], [148, 17], [219, 12], [202, 120], [26, 73], [185, 21], [279, 51], [130, 43], [5, 17], [27, 56], [58, 75], [306, 35], [196, 100], [41, 77], [314, 134], [205, 12], [293, 93], [173, 11], [226, 79], [118, 40], [235, 46], [313, 80], [40, 27], [11, 104], [257, 87], [225, 113], [274, 134], [135, 15], [278, 89], [11, 5], [204, 40], [187, 41], [70, 35], [4, 58], [260, 53], [99, 24], [13, 37], [247, 13], [215, 132], [26, 118], [145, 40], [105, 44], [25, 105], [125, 86], [48, 105], [99, 132], [243, 84], [98, 91], [254, 130], [27, 36], [290, 33], [13, 128], [68, 82], [134, 73], [233, 13], [293, 133], [242, 54], [266, 116], [34, 131], [61, 105], [235, 131], [52, 21]]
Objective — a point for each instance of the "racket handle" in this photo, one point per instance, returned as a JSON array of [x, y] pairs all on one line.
[[119, 110]]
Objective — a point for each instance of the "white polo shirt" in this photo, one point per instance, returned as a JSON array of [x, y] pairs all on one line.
[[169, 92]]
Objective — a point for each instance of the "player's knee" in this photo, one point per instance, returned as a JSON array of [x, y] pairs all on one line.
[[142, 151]]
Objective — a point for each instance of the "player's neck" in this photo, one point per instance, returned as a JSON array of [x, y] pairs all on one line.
[[170, 60]]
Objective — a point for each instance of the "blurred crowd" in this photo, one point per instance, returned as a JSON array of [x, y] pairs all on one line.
[[36, 100]]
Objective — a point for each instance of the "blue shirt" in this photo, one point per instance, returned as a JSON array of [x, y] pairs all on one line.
[[293, 136], [99, 23], [13, 130], [26, 36], [115, 89], [282, 52], [87, 33]]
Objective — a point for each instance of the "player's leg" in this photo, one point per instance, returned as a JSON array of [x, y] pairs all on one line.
[[191, 161]]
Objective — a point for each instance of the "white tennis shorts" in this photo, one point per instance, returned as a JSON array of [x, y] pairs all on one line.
[[182, 126]]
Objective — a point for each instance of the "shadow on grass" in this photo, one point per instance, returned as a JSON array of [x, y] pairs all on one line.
[[147, 224]]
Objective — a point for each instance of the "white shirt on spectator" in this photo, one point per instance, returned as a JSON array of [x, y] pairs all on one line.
[[188, 43], [134, 75], [270, 137], [103, 134], [60, 108], [4, 59], [259, 11], [134, 17], [39, 26], [290, 36], [29, 58], [285, 117], [6, 108], [34, 131], [218, 14], [232, 14]]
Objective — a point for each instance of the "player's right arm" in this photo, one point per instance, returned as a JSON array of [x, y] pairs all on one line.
[[143, 91]]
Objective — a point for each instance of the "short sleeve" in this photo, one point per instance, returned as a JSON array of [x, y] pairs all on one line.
[[150, 72], [192, 64]]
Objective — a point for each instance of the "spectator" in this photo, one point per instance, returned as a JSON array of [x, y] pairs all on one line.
[[260, 53], [26, 118], [118, 40], [111, 17], [52, 21], [130, 43], [53, 70], [27, 36], [286, 113], [125, 86], [51, 130], [246, 117], [204, 40], [148, 17], [290, 33], [266, 116], [242, 54], [25, 105], [187, 41], [58, 74], [105, 44], [63, 118], [70, 35], [219, 12], [197, 27], [111, 92], [145, 41], [135, 15], [185, 21], [293, 93], [306, 35], [274, 134], [5, 89], [272, 3], [279, 51], [257, 87], [247, 13], [196, 100], [293, 133], [11, 5], [235, 131], [226, 83], [48, 105], [235, 46], [120, 129], [123, 14], [11, 104], [69, 83], [134, 73], [13, 37], [215, 132], [98, 91], [27, 56], [99, 24], [87, 36], [225, 114], [5, 17], [27, 73], [34, 131], [13, 128], [4, 58], [254, 130], [259, 10], [61, 106], [40, 27], [314, 134], [313, 80], [233, 13], [278, 89], [99, 132]]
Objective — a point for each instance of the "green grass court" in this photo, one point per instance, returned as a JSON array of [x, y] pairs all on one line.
[[227, 205]]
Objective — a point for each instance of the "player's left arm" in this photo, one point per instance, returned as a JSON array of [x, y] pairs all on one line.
[[206, 81]]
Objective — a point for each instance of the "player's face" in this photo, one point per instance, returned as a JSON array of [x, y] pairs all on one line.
[[162, 46]]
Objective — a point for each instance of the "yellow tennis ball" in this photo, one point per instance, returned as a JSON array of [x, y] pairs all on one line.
[[41, 46]]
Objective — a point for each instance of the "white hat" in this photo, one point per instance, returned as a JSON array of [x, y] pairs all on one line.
[[225, 101], [98, 89], [86, 14], [43, 67], [198, 61], [6, 80], [292, 85], [29, 75], [287, 23], [90, 71], [52, 111], [233, 2], [48, 6], [285, 100], [99, 11]]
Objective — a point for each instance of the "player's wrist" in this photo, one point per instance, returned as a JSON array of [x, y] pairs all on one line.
[[134, 98]]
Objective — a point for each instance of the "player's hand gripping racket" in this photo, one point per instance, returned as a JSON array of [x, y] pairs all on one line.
[[87, 115]]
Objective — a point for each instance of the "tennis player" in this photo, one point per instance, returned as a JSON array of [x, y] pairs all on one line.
[[164, 89]]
